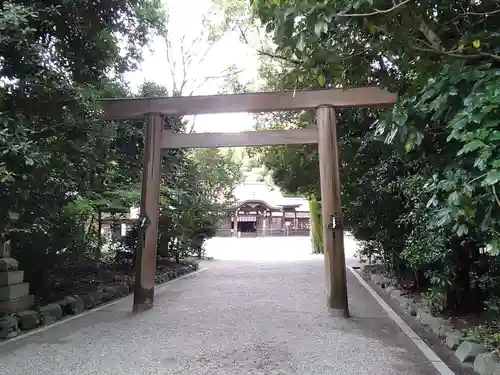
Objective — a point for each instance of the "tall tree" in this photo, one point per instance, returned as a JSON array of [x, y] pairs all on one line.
[[56, 59], [418, 183]]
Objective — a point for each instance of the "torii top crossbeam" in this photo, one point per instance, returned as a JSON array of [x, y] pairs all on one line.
[[136, 108]]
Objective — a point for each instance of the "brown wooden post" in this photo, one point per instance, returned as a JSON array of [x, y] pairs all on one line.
[[333, 234], [145, 260]]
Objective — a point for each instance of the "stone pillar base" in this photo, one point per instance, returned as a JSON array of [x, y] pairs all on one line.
[[17, 305]]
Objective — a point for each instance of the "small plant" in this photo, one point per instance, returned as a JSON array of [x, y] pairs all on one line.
[[493, 304], [487, 334], [434, 300]]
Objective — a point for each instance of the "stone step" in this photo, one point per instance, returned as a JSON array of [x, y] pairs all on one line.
[[17, 305], [12, 292], [11, 277]]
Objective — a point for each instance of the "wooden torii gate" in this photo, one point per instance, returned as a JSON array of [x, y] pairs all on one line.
[[324, 101]]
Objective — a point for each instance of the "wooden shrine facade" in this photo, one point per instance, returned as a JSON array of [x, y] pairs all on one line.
[[259, 218]]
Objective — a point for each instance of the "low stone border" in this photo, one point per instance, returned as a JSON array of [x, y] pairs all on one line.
[[466, 352], [13, 325]]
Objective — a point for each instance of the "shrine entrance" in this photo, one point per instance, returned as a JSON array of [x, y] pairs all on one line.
[[325, 102]]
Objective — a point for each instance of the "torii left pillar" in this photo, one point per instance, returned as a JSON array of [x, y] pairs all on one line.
[[145, 257]]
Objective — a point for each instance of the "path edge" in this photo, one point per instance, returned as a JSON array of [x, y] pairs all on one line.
[[430, 354], [95, 309]]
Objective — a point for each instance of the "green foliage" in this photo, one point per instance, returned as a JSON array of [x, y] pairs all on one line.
[[420, 181], [192, 200], [61, 166], [487, 334], [434, 300]]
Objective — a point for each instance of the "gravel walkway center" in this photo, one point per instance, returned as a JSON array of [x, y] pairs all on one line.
[[238, 317]]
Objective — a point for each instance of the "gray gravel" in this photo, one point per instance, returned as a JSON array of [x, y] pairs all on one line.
[[238, 317]]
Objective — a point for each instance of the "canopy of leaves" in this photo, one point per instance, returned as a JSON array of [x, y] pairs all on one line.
[[194, 199], [420, 181], [63, 169], [58, 159]]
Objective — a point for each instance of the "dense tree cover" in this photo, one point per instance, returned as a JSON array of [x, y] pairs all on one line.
[[61, 167], [194, 201], [59, 161], [420, 181]]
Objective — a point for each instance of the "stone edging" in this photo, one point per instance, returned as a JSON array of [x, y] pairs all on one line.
[[23, 322], [465, 352]]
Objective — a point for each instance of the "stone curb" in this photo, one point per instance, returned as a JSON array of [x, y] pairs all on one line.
[[466, 352], [23, 322]]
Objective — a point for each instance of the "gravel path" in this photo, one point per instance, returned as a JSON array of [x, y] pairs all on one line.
[[238, 317]]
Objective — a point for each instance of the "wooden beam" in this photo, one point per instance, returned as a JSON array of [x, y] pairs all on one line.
[[243, 139], [136, 108]]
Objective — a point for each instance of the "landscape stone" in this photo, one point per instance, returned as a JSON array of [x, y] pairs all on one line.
[[497, 370], [19, 304], [453, 339], [423, 316], [467, 351], [28, 320], [111, 289], [485, 364], [390, 289], [120, 278], [391, 282], [384, 281], [64, 305], [88, 300], [11, 277], [12, 292], [9, 327], [396, 293], [8, 264], [122, 290], [159, 279], [440, 327], [50, 313], [75, 305], [97, 295], [47, 319], [402, 300], [437, 325], [106, 275], [124, 279], [412, 308], [107, 296]]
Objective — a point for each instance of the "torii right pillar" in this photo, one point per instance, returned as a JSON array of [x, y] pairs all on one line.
[[331, 210]]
